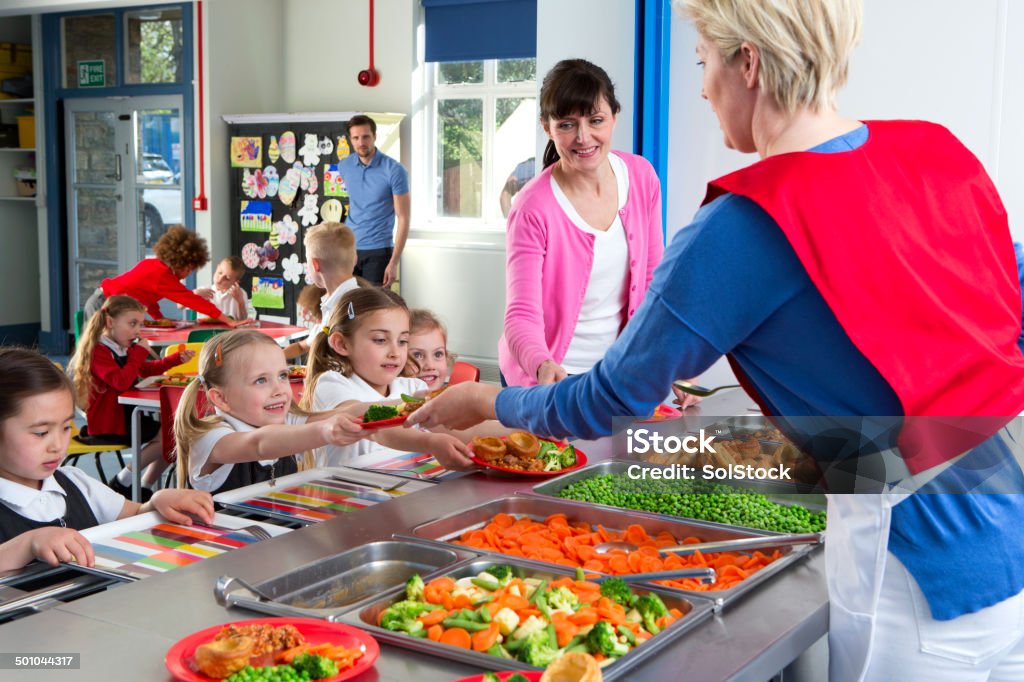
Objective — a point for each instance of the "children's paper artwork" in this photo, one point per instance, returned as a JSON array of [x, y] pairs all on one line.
[[343, 148], [268, 292], [273, 151], [287, 145], [310, 151], [268, 256], [273, 180], [334, 185], [248, 188], [325, 146], [292, 268], [332, 211], [286, 230], [251, 255], [246, 152], [309, 212], [308, 182], [289, 186], [256, 216], [254, 184]]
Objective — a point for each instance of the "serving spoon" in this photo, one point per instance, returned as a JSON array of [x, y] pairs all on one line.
[[704, 575], [722, 545], [700, 391]]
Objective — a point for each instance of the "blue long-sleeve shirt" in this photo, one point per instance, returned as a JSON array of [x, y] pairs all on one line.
[[731, 283]]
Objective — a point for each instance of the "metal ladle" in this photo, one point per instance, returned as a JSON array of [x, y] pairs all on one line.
[[722, 545], [700, 391], [704, 575]]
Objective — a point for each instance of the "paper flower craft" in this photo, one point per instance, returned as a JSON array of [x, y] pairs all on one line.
[[273, 180], [268, 256], [292, 268], [251, 255]]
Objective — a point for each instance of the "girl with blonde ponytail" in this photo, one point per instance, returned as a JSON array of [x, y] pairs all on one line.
[[109, 359], [255, 429]]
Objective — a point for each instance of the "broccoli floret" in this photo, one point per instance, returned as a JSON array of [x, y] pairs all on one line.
[[317, 667], [376, 413], [602, 639], [538, 651], [517, 677], [651, 608], [618, 590], [414, 588], [567, 457], [490, 677], [401, 616], [502, 573], [562, 598]]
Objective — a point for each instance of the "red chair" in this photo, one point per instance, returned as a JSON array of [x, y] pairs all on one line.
[[170, 396], [463, 371]]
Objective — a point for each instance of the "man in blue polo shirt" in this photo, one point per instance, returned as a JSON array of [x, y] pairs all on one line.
[[378, 208]]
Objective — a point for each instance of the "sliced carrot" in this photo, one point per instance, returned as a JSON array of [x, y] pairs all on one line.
[[456, 637], [443, 583], [485, 639], [434, 632], [462, 601], [565, 630], [433, 617]]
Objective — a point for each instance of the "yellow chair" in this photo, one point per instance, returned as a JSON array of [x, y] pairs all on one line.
[[190, 367], [77, 449]]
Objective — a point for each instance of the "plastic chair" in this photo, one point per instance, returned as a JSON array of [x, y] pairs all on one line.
[[79, 322], [77, 449], [190, 367], [463, 371], [201, 335]]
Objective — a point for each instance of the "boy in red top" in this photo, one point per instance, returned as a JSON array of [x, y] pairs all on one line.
[[179, 253]]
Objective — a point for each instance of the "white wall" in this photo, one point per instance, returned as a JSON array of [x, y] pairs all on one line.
[[601, 31], [947, 61], [242, 74]]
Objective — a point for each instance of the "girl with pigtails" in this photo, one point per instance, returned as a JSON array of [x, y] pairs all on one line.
[[255, 431]]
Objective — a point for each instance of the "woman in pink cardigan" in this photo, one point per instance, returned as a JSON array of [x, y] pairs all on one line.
[[584, 235]]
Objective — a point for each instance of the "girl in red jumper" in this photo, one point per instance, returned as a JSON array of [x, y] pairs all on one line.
[[109, 360]]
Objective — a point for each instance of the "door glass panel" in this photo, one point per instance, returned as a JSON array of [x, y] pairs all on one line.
[[158, 174], [96, 215], [90, 38], [89, 276], [153, 43], [95, 159]]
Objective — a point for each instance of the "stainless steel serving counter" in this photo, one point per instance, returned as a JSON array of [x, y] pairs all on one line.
[[124, 633]]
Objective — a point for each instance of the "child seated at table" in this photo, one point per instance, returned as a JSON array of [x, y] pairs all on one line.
[[256, 430], [178, 254], [331, 259], [109, 359], [358, 360], [42, 504], [428, 349], [226, 292]]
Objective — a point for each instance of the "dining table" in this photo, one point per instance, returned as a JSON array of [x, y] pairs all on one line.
[[166, 336]]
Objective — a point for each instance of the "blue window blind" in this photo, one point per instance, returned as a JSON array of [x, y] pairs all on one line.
[[468, 30]]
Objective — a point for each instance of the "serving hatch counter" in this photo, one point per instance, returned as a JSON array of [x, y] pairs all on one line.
[[124, 633]]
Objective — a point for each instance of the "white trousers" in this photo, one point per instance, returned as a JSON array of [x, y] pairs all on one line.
[[907, 644]]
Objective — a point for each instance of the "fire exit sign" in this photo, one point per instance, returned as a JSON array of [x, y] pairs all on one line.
[[92, 73]]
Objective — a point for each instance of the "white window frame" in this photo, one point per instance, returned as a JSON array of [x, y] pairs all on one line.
[[489, 91]]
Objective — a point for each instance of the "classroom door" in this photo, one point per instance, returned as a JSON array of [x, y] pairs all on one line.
[[124, 163]]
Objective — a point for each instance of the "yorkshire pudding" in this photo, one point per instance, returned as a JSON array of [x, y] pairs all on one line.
[[224, 657], [488, 448], [573, 667], [523, 444]]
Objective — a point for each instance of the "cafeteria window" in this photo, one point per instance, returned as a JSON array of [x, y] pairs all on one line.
[[482, 131]]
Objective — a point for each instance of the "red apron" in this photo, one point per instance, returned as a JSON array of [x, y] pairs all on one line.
[[907, 241]]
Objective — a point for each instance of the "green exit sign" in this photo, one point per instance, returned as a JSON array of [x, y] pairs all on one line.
[[92, 73]]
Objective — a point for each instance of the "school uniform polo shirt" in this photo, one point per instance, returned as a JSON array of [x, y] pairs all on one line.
[[371, 191], [50, 501]]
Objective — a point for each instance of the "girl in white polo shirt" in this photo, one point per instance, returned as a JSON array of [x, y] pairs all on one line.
[[42, 504]]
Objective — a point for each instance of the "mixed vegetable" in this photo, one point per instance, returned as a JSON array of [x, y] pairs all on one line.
[[304, 662], [376, 413], [705, 500], [555, 456], [527, 619], [557, 541]]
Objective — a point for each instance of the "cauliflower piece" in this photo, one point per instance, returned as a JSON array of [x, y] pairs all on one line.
[[529, 626], [507, 620]]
